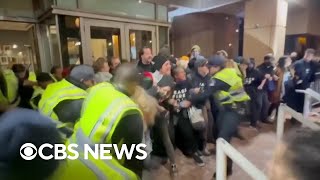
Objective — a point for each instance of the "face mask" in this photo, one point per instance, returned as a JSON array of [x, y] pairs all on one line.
[[196, 54], [268, 63]]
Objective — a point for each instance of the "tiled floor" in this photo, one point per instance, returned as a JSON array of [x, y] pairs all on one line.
[[257, 147]]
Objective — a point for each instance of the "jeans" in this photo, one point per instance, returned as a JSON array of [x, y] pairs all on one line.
[[162, 138], [262, 106]]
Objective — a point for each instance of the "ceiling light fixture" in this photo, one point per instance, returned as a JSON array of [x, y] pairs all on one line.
[[140, 1], [14, 46], [237, 30]]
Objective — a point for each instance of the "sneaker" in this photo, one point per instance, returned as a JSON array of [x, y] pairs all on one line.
[[200, 154], [255, 128], [266, 122], [206, 152], [173, 170], [198, 159]]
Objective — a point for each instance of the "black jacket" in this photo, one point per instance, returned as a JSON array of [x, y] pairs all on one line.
[[145, 67], [198, 81]]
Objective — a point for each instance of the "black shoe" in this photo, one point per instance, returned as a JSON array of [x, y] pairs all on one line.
[[173, 170], [198, 159], [229, 173], [267, 122], [239, 136]]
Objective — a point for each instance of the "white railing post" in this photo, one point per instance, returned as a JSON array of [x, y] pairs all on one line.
[[280, 121], [221, 162], [224, 149], [307, 105]]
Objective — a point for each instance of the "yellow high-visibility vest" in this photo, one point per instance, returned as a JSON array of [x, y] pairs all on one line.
[[236, 93], [56, 93], [102, 110], [92, 169], [11, 96], [53, 78], [37, 92]]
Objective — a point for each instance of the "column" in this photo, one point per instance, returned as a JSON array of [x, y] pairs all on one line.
[[265, 28]]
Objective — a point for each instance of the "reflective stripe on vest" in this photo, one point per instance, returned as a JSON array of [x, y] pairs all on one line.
[[37, 92], [57, 92], [100, 125], [53, 78], [236, 92], [81, 140], [111, 113], [93, 168], [11, 96]]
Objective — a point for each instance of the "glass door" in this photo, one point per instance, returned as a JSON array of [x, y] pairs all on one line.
[[115, 39], [139, 36], [102, 39]]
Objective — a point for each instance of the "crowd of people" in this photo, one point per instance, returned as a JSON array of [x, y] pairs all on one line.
[[164, 102]]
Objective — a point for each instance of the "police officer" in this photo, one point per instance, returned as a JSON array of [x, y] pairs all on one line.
[[229, 95], [43, 79], [110, 116], [9, 85], [62, 101]]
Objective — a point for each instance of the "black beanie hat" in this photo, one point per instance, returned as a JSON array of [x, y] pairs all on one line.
[[159, 61]]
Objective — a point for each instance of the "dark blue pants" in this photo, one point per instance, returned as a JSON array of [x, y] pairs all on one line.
[[227, 126]]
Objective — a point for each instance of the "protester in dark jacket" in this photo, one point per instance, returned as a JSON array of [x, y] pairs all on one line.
[[253, 79], [200, 80], [190, 141], [145, 60], [302, 79], [267, 86]]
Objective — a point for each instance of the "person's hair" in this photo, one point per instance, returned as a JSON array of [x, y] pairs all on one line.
[[268, 57], [222, 53], [54, 69], [252, 59], [44, 77], [141, 52], [147, 104], [183, 64], [17, 68], [177, 70], [282, 62], [310, 52], [98, 64], [303, 153], [245, 61]]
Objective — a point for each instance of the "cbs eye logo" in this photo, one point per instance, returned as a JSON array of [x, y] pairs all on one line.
[[28, 151]]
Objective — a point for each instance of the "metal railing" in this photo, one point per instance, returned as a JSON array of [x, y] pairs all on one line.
[[303, 118], [224, 149], [309, 95], [283, 109]]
